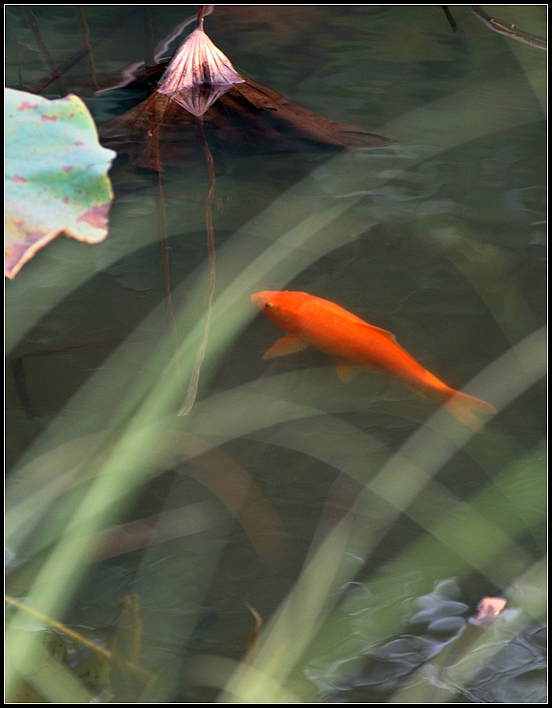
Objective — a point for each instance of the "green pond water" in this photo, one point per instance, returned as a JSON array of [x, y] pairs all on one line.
[[282, 488]]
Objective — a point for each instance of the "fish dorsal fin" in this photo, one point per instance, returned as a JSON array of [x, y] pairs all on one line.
[[331, 308], [384, 332]]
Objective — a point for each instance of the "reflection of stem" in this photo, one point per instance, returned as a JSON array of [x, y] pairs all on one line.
[[191, 393], [86, 46], [165, 260], [42, 48], [509, 30], [155, 166]]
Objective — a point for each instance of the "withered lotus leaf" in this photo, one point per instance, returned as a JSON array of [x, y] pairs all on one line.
[[198, 74], [238, 113]]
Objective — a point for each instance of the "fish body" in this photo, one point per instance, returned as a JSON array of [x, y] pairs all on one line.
[[352, 343]]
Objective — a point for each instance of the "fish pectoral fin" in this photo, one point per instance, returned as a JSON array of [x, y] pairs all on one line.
[[286, 345], [346, 372]]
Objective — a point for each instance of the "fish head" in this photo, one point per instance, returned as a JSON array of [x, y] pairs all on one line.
[[282, 307]]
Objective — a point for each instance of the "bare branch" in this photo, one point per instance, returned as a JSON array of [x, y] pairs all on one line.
[[509, 30]]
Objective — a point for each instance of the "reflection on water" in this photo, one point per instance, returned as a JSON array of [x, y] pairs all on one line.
[[438, 237], [438, 630]]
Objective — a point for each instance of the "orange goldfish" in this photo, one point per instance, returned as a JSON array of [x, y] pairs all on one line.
[[353, 343]]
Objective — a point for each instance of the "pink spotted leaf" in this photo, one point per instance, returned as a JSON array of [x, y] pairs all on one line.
[[55, 175]]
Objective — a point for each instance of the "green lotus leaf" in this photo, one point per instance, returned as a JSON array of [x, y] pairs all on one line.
[[56, 175]]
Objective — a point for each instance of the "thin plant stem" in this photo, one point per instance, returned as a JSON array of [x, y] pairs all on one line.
[[63, 629], [201, 15], [84, 641]]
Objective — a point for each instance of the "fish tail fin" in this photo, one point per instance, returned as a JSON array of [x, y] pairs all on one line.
[[461, 406]]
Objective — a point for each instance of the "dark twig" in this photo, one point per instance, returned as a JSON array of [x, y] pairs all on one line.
[[18, 60], [508, 30], [78, 56], [23, 393], [149, 44], [20, 380], [86, 46], [43, 49], [450, 18]]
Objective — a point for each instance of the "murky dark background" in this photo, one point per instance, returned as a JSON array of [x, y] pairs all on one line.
[[449, 254]]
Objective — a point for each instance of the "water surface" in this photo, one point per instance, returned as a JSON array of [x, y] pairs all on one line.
[[438, 237]]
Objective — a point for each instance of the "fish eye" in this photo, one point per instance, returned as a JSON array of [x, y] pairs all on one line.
[[269, 304]]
